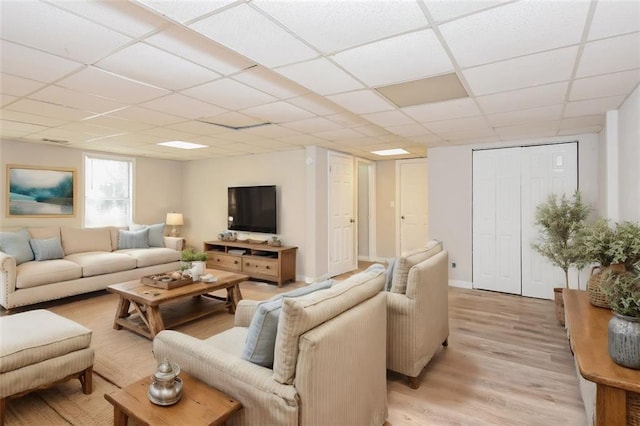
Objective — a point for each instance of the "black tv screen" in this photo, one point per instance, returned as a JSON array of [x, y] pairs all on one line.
[[252, 209]]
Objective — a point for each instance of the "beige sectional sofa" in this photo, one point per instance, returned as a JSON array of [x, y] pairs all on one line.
[[90, 259]]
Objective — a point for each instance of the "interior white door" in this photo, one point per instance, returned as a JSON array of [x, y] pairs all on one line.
[[546, 169], [496, 220], [342, 256], [413, 204]]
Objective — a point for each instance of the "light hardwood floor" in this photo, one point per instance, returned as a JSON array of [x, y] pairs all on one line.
[[508, 363]]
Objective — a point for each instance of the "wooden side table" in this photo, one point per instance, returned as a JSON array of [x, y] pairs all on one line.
[[200, 405]]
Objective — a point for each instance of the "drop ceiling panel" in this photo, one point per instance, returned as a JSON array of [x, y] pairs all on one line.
[[409, 130], [542, 68], [6, 99], [48, 110], [270, 82], [19, 60], [610, 55], [199, 49], [347, 119], [229, 94], [362, 102], [321, 76], [151, 65], [462, 134], [620, 83], [446, 10], [340, 134], [250, 33], [389, 118], [405, 59], [301, 139], [196, 127], [531, 97], [91, 131], [313, 125], [31, 118], [62, 96], [184, 11], [586, 121], [456, 125], [17, 86], [273, 131], [234, 119], [146, 116], [18, 129], [352, 23], [547, 113], [121, 16], [316, 104], [593, 106], [167, 134], [515, 29], [118, 123], [615, 18], [530, 130], [278, 112], [57, 31], [183, 106], [97, 82], [455, 108]]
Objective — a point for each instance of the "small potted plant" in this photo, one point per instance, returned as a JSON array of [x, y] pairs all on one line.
[[623, 292], [190, 258], [561, 220]]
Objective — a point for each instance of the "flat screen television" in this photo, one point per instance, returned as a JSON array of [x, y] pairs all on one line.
[[252, 209]]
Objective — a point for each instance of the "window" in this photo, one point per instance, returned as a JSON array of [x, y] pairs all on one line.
[[108, 191]]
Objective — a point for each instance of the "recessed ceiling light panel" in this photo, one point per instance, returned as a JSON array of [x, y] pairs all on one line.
[[182, 145], [387, 152], [425, 90]]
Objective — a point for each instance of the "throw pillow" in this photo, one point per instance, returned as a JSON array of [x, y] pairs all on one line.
[[16, 244], [133, 239], [156, 233], [46, 249], [261, 337], [392, 264], [407, 261]]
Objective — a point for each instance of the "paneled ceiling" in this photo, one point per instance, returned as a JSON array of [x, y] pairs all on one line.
[[246, 77]]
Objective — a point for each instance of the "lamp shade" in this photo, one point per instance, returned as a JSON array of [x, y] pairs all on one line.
[[174, 219]]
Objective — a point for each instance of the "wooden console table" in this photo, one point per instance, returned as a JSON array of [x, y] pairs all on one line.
[[260, 261], [615, 385]]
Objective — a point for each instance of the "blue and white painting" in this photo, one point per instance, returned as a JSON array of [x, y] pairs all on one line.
[[40, 192]]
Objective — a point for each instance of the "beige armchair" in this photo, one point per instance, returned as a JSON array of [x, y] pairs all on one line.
[[328, 365], [418, 319]]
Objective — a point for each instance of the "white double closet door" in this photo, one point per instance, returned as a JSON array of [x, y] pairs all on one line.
[[508, 185]]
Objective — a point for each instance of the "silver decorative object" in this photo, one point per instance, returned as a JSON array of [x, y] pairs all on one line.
[[624, 340], [166, 388]]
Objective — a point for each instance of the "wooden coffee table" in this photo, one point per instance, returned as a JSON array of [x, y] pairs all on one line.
[[149, 310], [200, 405]]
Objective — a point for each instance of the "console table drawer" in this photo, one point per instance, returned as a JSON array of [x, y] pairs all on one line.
[[224, 261], [261, 266]]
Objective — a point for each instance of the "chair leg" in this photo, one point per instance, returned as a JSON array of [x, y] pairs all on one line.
[[86, 380], [446, 342], [414, 383]]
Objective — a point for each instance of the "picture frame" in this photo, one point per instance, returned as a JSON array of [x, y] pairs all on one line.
[[40, 192]]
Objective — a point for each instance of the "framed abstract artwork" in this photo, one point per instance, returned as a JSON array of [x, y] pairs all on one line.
[[40, 191]]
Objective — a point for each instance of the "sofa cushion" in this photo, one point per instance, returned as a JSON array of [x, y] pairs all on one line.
[[46, 249], [261, 337], [156, 233], [152, 256], [133, 239], [33, 274], [81, 240], [45, 232], [100, 262], [407, 261], [114, 232], [300, 314], [16, 244], [35, 336]]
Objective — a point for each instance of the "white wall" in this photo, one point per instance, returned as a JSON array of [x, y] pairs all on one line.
[[629, 157], [204, 195], [450, 200], [158, 183]]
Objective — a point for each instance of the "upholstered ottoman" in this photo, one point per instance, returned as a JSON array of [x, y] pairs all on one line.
[[39, 348]]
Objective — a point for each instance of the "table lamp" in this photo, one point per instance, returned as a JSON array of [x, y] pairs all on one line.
[[174, 219]]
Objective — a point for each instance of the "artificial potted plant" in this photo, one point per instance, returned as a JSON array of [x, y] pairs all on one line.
[[623, 293], [192, 259], [616, 248], [561, 220]]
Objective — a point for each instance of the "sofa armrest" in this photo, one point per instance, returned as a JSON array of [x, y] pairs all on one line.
[[399, 304], [175, 243], [244, 312], [264, 400], [7, 277]]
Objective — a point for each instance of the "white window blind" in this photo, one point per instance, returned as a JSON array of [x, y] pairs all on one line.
[[108, 191]]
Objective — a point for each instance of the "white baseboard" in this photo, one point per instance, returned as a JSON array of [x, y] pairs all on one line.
[[461, 284]]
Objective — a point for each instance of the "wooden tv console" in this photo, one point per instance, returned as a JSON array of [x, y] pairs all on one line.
[[260, 261]]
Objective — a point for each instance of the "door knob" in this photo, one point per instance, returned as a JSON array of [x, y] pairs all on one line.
[[351, 220], [402, 217]]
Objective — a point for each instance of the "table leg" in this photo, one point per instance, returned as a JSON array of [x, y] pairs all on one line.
[[611, 406], [119, 417], [233, 297], [121, 312], [156, 325]]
